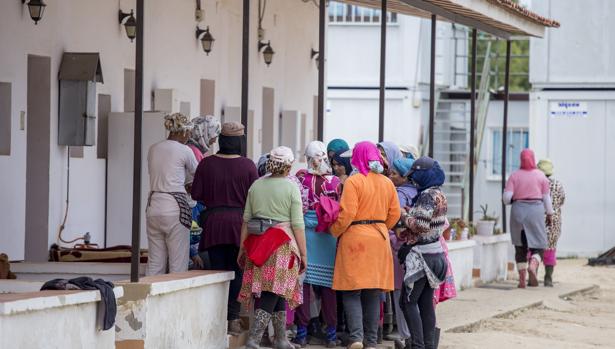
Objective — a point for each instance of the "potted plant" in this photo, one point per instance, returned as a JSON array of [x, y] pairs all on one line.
[[486, 224]]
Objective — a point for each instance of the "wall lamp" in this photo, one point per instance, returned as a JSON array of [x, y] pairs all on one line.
[[315, 55], [36, 9], [207, 40], [267, 52], [130, 23]]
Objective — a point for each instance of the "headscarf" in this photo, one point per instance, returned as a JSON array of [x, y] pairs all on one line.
[[177, 122], [232, 139], [409, 151], [344, 161], [546, 166], [337, 146], [261, 165], [403, 166], [366, 158], [528, 161], [426, 173], [205, 129], [391, 150], [317, 159], [280, 160]]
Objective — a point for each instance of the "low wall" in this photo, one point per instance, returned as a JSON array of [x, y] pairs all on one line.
[[51, 319], [461, 255], [68, 270], [183, 310], [491, 257]]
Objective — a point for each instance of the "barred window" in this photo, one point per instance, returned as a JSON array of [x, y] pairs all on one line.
[[344, 13]]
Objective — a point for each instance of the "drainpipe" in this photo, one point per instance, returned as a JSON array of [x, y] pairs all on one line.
[[383, 49], [432, 84], [472, 129], [321, 69], [505, 129], [136, 179]]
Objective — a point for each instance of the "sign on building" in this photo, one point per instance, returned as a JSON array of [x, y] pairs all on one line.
[[568, 110]]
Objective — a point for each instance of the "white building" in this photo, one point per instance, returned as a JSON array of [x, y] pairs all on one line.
[[572, 117], [33, 185]]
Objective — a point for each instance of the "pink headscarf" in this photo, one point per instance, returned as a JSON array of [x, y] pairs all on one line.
[[362, 154], [528, 161]]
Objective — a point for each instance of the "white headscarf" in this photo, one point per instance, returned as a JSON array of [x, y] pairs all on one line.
[[205, 129], [317, 159]]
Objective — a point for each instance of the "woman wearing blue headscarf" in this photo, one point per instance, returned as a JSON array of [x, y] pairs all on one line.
[[336, 146], [406, 191], [390, 152], [422, 255]]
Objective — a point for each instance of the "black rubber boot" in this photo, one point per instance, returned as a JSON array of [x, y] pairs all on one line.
[[549, 276], [436, 340]]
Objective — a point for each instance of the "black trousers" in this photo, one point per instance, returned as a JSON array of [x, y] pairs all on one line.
[[224, 257], [271, 302], [521, 252], [420, 314]]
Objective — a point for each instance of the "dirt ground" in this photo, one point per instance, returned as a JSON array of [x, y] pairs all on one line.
[[582, 321]]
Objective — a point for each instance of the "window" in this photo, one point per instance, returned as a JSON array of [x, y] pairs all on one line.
[[517, 140], [344, 13]]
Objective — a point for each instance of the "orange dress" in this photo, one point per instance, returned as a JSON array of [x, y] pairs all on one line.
[[364, 259]]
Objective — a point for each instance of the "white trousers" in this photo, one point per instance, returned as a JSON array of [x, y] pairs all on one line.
[[168, 240]]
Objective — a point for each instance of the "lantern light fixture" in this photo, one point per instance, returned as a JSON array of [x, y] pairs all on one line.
[[129, 22], [315, 55], [36, 9], [268, 51], [207, 40]]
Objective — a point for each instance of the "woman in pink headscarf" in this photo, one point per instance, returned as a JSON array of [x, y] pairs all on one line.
[[527, 189]]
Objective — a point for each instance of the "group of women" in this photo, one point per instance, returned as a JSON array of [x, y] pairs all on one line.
[[357, 223]]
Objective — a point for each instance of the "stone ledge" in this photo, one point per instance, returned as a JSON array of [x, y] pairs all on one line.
[[460, 244], [493, 239], [167, 283], [14, 303]]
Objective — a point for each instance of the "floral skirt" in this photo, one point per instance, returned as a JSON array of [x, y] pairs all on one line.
[[279, 275]]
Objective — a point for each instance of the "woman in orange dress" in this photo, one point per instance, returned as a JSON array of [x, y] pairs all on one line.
[[364, 262]]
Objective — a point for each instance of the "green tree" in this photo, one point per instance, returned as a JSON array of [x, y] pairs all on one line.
[[519, 62]]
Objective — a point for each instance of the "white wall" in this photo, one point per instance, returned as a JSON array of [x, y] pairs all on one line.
[[173, 59], [581, 52]]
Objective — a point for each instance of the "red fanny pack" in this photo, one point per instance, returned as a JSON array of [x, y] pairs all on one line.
[[260, 247]]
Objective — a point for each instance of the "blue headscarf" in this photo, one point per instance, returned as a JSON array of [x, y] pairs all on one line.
[[426, 173], [337, 146], [403, 166], [392, 151], [343, 160]]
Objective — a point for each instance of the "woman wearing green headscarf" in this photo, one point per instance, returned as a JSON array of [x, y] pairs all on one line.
[[336, 146], [554, 229]]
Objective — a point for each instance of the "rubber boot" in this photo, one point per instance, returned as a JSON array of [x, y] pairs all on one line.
[[403, 344], [533, 270], [522, 278], [548, 276], [436, 340], [259, 325], [279, 328]]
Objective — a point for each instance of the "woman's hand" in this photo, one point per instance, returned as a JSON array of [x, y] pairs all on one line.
[[303, 265], [549, 220], [198, 261], [240, 257]]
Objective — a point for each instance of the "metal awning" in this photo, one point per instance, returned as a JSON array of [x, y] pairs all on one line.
[[502, 18]]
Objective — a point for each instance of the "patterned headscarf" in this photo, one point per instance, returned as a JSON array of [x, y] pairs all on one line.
[[546, 166], [366, 158], [261, 165], [280, 160], [205, 129], [318, 162], [177, 122]]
